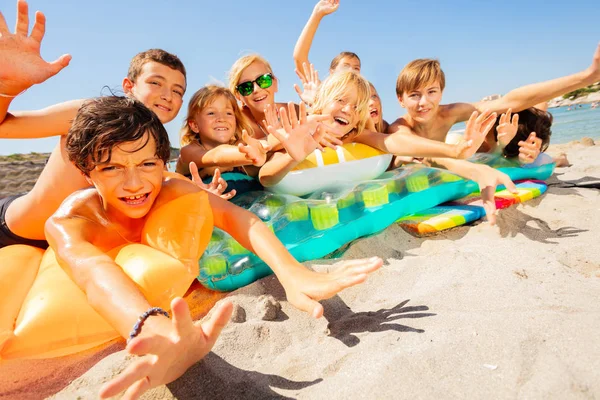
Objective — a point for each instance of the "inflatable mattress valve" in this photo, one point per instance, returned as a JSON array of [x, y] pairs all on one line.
[[324, 216]]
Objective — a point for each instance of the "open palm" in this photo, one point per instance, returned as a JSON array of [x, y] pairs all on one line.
[[21, 64]]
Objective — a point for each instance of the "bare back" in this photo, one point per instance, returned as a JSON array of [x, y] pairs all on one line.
[[27, 214]]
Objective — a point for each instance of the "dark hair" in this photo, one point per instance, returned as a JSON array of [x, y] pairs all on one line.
[[530, 120], [154, 55], [338, 58], [105, 122]]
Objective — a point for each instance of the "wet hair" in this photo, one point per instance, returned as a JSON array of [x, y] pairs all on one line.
[[335, 62], [530, 120], [336, 86], [103, 123], [154, 55], [419, 73], [204, 98], [240, 65]]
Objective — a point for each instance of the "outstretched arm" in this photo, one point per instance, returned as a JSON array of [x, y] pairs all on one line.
[[530, 95], [404, 143], [487, 177], [21, 65], [323, 8], [167, 347], [304, 288]]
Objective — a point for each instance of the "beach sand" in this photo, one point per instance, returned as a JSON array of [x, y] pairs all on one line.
[[510, 311]]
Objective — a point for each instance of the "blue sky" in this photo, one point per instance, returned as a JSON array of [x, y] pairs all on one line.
[[484, 47]]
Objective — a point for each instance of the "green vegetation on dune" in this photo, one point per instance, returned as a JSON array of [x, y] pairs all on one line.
[[582, 92]]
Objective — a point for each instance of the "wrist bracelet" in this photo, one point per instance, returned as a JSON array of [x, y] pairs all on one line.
[[137, 328], [10, 96]]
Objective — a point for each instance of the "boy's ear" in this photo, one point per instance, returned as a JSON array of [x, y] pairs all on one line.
[[401, 102], [127, 85], [193, 126]]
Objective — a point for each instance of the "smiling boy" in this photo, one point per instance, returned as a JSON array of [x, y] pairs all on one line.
[[121, 147], [155, 77], [421, 83]]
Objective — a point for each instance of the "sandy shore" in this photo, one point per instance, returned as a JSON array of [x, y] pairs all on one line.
[[511, 311]]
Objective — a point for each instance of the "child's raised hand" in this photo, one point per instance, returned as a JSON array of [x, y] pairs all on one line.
[[217, 186], [254, 149], [488, 179], [305, 288], [326, 7], [296, 135], [271, 117], [594, 69], [507, 129], [165, 355], [21, 65], [477, 129], [530, 149], [310, 83]]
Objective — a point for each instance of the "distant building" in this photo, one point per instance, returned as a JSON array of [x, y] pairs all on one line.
[[491, 97]]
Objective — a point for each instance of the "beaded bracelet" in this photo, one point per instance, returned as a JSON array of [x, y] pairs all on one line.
[[137, 328]]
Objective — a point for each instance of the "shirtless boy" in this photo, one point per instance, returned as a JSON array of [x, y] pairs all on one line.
[[155, 77], [421, 83], [120, 147]]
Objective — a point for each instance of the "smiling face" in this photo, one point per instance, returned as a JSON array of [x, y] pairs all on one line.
[[347, 63], [259, 98], [375, 106], [130, 180], [215, 123], [344, 110], [160, 88], [422, 103]]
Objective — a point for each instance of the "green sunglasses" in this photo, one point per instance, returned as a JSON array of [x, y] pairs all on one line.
[[264, 81]]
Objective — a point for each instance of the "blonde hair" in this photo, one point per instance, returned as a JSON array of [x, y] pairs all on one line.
[[240, 65], [379, 125], [338, 84], [419, 73], [204, 98]]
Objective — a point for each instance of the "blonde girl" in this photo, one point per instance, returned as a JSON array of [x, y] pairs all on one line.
[[213, 134]]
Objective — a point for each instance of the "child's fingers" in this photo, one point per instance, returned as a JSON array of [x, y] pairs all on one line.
[[302, 111], [302, 79], [22, 25], [39, 27], [228, 195], [306, 304], [515, 120], [489, 203], [137, 389], [3, 26], [306, 70], [293, 115], [132, 374], [297, 89], [508, 183], [488, 123], [182, 320], [285, 119], [219, 318]]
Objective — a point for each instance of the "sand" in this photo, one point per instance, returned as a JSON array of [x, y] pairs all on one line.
[[510, 311]]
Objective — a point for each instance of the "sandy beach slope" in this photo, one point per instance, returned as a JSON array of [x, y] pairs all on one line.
[[511, 311]]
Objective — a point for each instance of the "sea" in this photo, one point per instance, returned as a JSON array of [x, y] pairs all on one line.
[[568, 125]]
